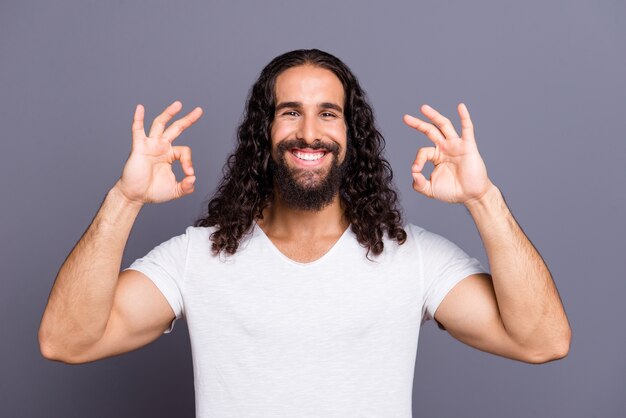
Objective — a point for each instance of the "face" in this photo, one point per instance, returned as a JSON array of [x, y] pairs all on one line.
[[308, 136]]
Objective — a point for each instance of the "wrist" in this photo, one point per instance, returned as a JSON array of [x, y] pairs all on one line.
[[117, 193], [491, 198]]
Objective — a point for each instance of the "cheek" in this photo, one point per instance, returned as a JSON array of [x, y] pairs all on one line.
[[279, 131], [340, 135]]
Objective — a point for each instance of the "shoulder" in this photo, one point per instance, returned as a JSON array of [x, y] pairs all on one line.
[[198, 237], [199, 231], [424, 237], [199, 243], [411, 247], [185, 240], [191, 239], [191, 235], [425, 244], [416, 235]]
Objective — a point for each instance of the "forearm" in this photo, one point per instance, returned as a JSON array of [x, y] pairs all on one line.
[[528, 301], [80, 302]]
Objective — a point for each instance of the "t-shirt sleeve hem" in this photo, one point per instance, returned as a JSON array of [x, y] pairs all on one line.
[[445, 286], [155, 273]]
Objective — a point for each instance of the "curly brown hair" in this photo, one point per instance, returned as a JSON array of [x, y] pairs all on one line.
[[367, 191]]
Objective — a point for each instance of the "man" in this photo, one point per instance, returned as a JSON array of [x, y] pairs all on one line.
[[302, 289]]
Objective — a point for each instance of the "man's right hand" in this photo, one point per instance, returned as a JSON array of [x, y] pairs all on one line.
[[147, 176]]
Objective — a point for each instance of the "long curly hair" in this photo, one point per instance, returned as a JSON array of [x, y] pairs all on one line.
[[246, 189]]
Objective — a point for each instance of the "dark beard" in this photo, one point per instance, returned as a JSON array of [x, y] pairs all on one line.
[[304, 189]]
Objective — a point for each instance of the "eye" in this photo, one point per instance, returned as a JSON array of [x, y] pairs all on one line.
[[291, 113], [328, 115]]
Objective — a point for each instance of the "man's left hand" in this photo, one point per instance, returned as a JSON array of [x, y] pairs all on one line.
[[460, 175]]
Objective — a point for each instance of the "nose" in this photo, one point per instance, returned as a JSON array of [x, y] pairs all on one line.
[[309, 129]]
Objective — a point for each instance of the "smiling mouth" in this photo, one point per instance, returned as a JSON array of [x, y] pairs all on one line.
[[308, 155]]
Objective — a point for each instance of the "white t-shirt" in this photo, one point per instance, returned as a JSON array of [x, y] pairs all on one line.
[[337, 337]]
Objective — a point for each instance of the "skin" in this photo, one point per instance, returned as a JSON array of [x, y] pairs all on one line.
[[94, 311], [516, 312], [314, 111]]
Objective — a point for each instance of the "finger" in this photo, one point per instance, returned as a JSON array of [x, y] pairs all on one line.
[[176, 128], [467, 127], [423, 155], [182, 153], [421, 185], [158, 125], [443, 123], [185, 186], [431, 131], [137, 126]]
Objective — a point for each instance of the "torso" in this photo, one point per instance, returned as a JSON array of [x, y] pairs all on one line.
[[272, 336]]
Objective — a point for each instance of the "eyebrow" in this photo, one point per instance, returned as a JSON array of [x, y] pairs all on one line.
[[298, 105]]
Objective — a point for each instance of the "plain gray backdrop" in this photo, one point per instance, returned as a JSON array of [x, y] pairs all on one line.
[[545, 85]]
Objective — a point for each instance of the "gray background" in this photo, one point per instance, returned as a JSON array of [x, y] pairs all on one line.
[[545, 84]]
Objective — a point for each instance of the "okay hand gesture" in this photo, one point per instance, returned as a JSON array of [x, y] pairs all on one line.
[[460, 175], [147, 176]]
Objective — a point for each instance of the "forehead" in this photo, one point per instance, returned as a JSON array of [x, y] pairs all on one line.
[[309, 84]]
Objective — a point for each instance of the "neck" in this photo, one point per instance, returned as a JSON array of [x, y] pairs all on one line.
[[280, 220]]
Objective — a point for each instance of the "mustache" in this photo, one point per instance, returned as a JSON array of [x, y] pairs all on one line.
[[288, 144]]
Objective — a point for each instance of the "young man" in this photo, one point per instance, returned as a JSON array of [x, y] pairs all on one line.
[[302, 289]]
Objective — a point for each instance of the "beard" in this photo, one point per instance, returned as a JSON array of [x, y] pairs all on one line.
[[304, 189]]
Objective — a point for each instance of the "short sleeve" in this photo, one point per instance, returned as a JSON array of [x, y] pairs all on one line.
[[444, 265], [165, 265]]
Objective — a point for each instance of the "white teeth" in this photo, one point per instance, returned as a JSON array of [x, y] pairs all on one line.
[[308, 156]]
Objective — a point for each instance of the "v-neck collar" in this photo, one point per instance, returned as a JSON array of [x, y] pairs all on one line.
[[258, 231]]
